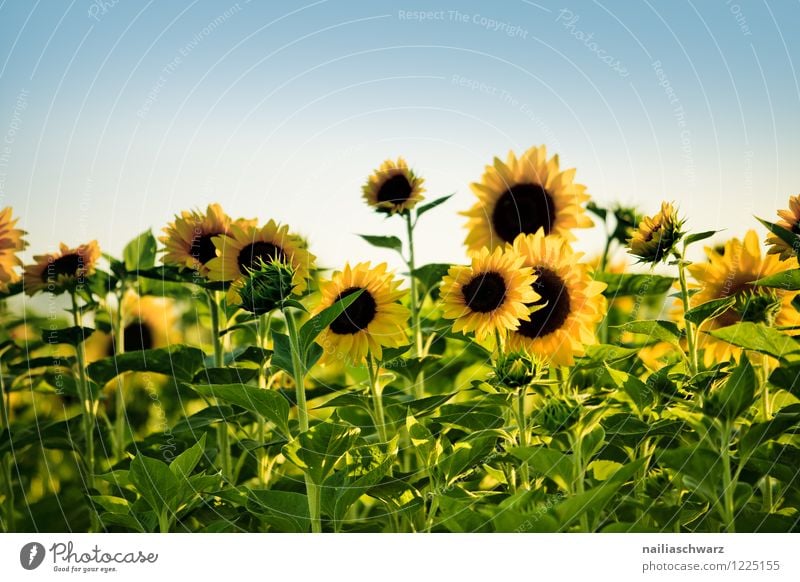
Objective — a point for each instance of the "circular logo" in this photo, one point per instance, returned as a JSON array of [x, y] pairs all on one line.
[[31, 555]]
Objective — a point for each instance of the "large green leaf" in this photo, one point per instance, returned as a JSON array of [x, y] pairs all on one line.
[[709, 310], [786, 280], [736, 395], [757, 337], [69, 335], [316, 325], [140, 253], [317, 450], [157, 485], [551, 463], [181, 362], [283, 511], [268, 403], [625, 284], [655, 330]]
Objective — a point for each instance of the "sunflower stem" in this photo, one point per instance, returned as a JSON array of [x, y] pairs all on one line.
[[766, 411], [313, 491], [522, 427], [87, 410], [7, 460], [419, 384], [690, 331], [603, 331], [263, 326], [377, 397], [222, 427], [728, 485], [120, 419]]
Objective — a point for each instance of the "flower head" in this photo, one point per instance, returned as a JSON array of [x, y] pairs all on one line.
[[61, 271], [393, 188], [11, 243], [656, 236], [790, 220]]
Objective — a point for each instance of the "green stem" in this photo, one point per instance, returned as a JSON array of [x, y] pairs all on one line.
[[7, 459], [87, 410], [120, 419], [222, 428], [313, 490], [419, 385], [690, 331], [728, 485], [263, 326], [766, 412], [579, 469], [377, 398], [522, 427]]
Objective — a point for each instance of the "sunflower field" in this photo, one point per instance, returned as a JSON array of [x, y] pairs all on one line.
[[218, 379]]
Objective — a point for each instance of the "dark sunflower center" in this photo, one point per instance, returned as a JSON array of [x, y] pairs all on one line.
[[552, 316], [358, 314], [523, 209], [485, 292], [66, 265], [203, 249], [249, 255], [395, 190], [137, 336]]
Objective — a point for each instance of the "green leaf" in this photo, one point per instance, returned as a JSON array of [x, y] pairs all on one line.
[[140, 253], [551, 463], [180, 361], [283, 511], [433, 204], [384, 242], [282, 353], [317, 450], [700, 468], [786, 280], [69, 335], [183, 465], [115, 505], [315, 326], [624, 284], [736, 395], [157, 485], [422, 440], [594, 500], [656, 330], [225, 375], [785, 420], [782, 233], [268, 403], [466, 455], [602, 354], [757, 337], [709, 310], [697, 237], [637, 391], [431, 275]]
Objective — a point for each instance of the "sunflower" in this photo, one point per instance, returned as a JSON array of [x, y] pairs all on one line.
[[790, 220], [393, 188], [656, 236], [489, 296], [373, 321], [189, 239], [148, 322], [60, 271], [244, 248], [730, 274], [523, 195], [571, 301], [10, 244]]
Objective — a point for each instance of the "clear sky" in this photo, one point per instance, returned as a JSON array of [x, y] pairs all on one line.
[[116, 114]]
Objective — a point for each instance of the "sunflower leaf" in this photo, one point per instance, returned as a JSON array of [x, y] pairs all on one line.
[[433, 204], [181, 362], [655, 330], [69, 335], [759, 338], [709, 310], [782, 233], [431, 275], [698, 236], [619, 285], [384, 242], [140, 253], [315, 326], [786, 280], [268, 403], [317, 450]]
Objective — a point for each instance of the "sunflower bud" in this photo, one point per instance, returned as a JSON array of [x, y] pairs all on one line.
[[516, 370], [760, 307], [268, 287], [656, 236], [558, 415]]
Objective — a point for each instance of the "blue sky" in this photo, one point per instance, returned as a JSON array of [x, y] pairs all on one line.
[[114, 115]]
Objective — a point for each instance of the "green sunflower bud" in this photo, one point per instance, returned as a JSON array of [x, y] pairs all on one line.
[[558, 415], [656, 236], [758, 307], [268, 287], [627, 218], [516, 370]]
